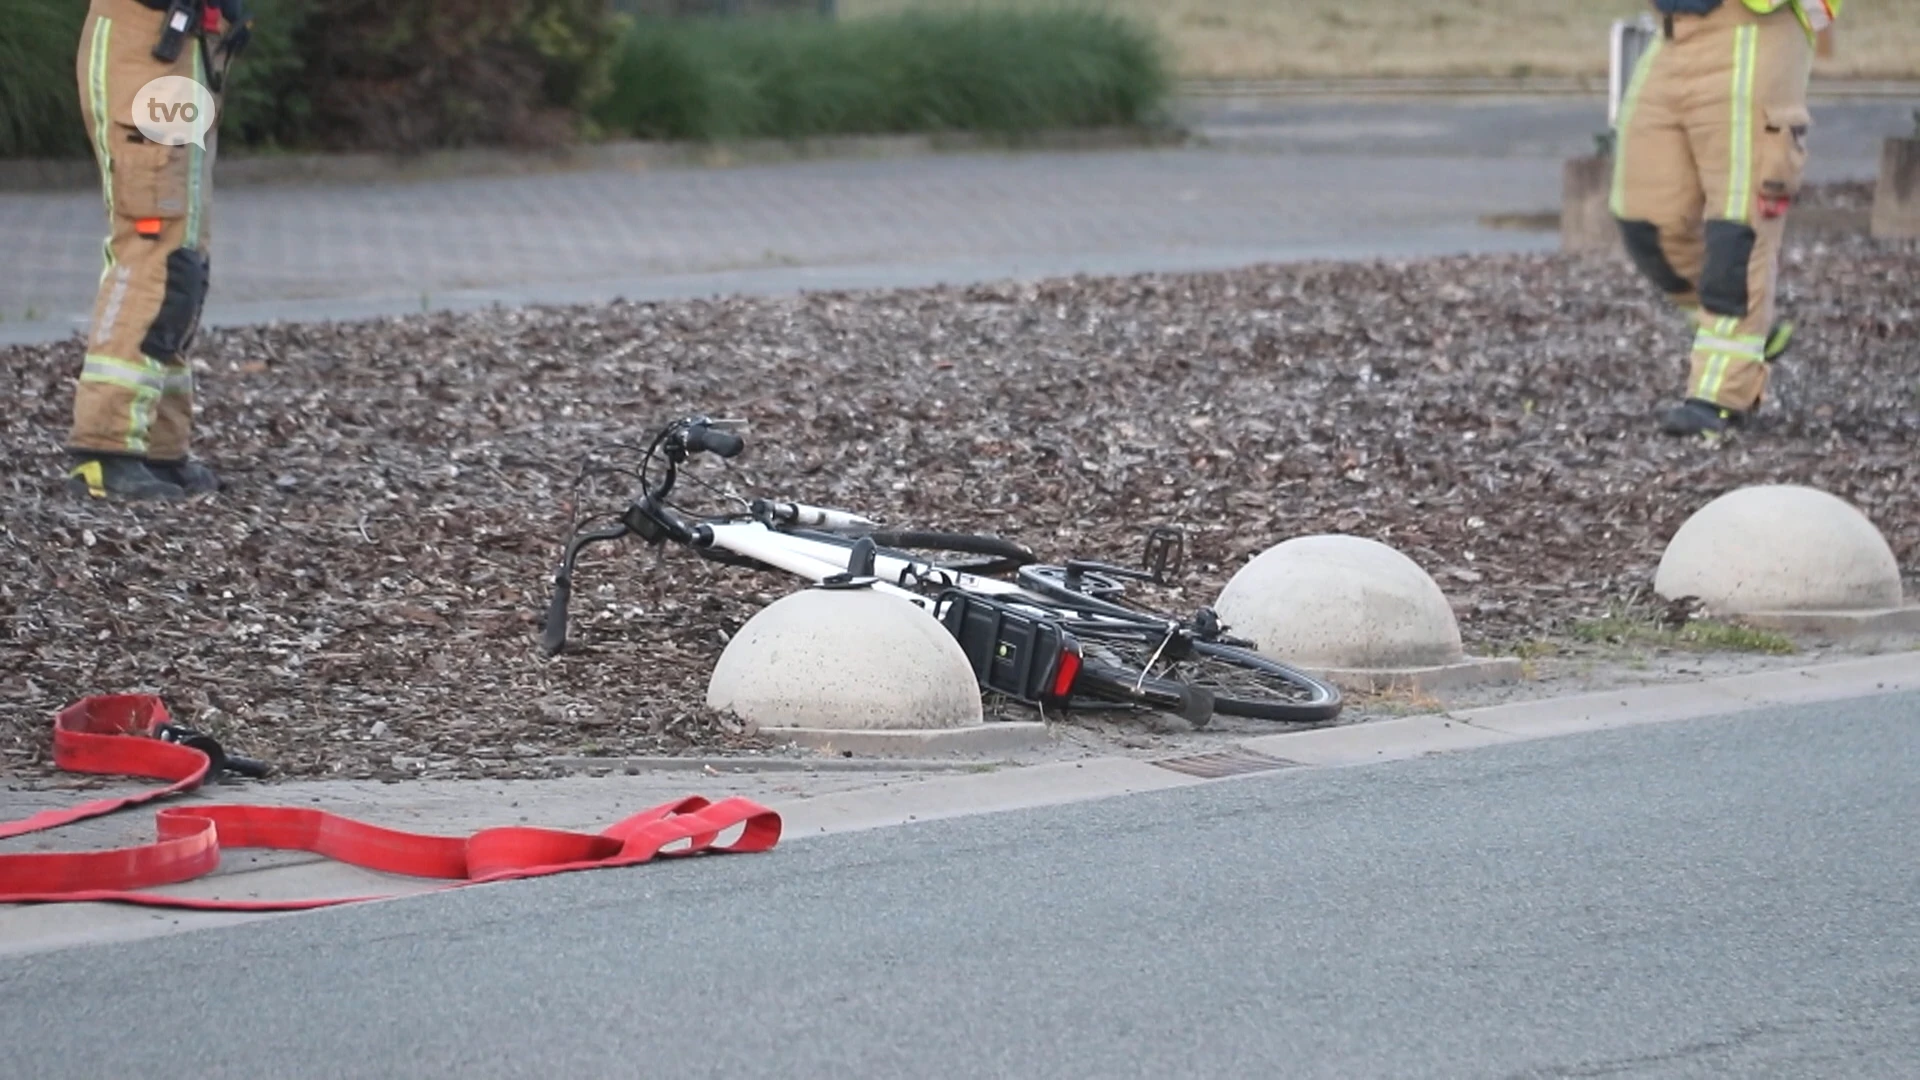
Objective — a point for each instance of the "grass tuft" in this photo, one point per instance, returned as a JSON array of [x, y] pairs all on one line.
[[1699, 635]]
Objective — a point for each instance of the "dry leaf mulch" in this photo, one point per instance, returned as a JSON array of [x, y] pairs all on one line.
[[364, 599]]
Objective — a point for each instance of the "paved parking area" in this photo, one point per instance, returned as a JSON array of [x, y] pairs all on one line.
[[1278, 181], [349, 249]]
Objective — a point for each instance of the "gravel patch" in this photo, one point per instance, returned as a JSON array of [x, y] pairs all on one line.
[[364, 599]]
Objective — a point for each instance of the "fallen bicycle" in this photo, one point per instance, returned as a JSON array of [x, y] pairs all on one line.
[[1054, 636]]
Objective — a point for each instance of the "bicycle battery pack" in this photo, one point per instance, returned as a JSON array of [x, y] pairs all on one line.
[[1034, 660]]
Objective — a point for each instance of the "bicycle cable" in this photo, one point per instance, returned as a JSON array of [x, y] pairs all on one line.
[[724, 496], [587, 472], [1154, 659]]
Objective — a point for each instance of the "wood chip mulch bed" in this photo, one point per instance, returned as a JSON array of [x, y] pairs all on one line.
[[364, 598]]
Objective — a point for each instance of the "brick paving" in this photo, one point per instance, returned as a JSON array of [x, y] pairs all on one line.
[[1283, 178], [349, 249]]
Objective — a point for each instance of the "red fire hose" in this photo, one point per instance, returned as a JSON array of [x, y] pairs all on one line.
[[116, 734]]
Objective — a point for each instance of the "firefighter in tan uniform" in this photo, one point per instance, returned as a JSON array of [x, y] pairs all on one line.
[[133, 404], [1711, 148]]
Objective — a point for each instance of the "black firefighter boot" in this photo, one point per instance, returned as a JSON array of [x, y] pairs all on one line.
[[113, 476], [190, 476], [1696, 417]]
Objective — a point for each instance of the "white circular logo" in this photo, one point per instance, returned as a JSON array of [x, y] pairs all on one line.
[[174, 110]]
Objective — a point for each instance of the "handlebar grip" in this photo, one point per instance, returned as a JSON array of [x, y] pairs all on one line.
[[554, 635], [247, 767], [723, 443]]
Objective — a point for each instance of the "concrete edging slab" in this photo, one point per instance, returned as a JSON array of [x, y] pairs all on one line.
[[1632, 706], [1368, 86], [1380, 740], [959, 796], [995, 737], [769, 763], [1472, 671], [1846, 626]]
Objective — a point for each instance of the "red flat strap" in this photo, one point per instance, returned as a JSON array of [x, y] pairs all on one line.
[[112, 734]]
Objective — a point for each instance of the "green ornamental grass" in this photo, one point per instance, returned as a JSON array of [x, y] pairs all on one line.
[[39, 91], [764, 76], [971, 70]]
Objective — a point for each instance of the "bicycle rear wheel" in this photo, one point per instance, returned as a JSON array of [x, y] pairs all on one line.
[[1242, 683]]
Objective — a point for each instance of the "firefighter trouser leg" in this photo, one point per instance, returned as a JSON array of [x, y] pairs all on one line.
[[135, 393], [1715, 122]]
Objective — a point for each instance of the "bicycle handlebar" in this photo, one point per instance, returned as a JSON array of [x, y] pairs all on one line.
[[648, 516], [724, 444]]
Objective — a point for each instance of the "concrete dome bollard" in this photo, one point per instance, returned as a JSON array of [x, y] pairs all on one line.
[[846, 659], [1355, 609], [1780, 548]]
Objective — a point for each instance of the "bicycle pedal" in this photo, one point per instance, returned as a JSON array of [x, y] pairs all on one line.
[[1165, 553]]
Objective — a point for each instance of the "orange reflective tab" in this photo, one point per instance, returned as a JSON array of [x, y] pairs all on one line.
[[149, 226]]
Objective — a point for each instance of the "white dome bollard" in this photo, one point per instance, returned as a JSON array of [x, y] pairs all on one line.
[[1780, 548], [857, 670], [1354, 609], [845, 658]]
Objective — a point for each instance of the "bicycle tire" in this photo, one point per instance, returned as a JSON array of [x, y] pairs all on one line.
[[1260, 688], [1046, 580]]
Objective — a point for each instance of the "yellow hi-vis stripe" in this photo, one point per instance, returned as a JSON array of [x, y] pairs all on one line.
[[195, 160], [1740, 174], [134, 376], [1722, 347], [144, 380], [102, 123], [1753, 348], [1627, 105]]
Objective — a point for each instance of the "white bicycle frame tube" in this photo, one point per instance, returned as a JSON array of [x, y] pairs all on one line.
[[817, 560], [819, 517]]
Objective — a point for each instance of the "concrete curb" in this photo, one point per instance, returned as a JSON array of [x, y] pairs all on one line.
[[1689, 701], [1392, 740], [961, 796], [631, 155], [1383, 740], [761, 764], [1484, 86], [1847, 626], [41, 929], [1472, 671], [994, 737]]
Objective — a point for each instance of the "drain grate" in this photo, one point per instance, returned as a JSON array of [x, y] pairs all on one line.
[[1225, 763]]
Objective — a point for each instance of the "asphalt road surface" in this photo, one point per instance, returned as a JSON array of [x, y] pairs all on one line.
[[1731, 897]]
